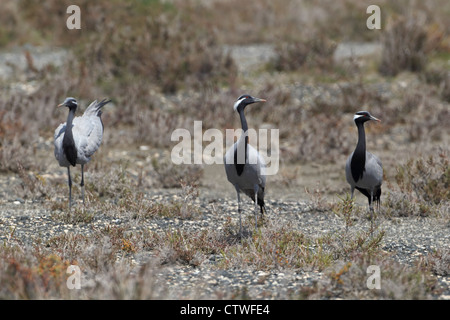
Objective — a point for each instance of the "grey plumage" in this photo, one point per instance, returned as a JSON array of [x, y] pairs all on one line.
[[244, 166], [77, 144], [363, 170]]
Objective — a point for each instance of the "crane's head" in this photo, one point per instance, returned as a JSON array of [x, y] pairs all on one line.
[[363, 116], [70, 103], [245, 100]]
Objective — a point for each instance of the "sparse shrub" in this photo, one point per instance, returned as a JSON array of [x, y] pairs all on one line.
[[439, 262], [344, 209], [404, 45], [31, 274], [33, 185], [316, 51], [190, 248], [427, 179], [396, 204], [422, 188], [170, 175], [349, 279], [316, 144], [276, 246], [445, 87]]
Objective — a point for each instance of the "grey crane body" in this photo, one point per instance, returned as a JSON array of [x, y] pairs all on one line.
[[244, 166], [252, 178], [363, 170], [78, 138]]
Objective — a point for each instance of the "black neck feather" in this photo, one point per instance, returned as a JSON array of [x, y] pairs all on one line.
[[358, 162], [240, 166], [68, 143]]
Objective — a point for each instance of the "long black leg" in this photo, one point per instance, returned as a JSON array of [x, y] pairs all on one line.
[[70, 188], [82, 182], [239, 210]]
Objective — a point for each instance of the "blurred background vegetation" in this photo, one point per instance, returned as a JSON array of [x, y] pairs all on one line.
[[167, 63]]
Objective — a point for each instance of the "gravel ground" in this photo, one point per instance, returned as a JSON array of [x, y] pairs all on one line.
[[406, 238]]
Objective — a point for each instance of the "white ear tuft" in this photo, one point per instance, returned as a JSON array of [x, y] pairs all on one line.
[[237, 103]]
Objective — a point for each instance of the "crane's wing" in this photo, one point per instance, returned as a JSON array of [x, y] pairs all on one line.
[[57, 141], [257, 162], [88, 134], [374, 168], [88, 130]]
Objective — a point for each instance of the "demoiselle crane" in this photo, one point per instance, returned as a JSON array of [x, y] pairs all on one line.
[[77, 139], [244, 166], [364, 170]]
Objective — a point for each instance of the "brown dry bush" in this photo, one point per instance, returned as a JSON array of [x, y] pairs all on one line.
[[421, 188], [316, 51], [427, 179], [162, 49], [170, 175], [23, 120], [31, 274], [349, 279], [439, 262], [406, 44]]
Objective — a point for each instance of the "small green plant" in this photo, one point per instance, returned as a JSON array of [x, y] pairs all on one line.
[[344, 209]]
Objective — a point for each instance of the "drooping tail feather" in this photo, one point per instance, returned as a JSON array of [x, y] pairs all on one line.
[[95, 108], [261, 205], [376, 197]]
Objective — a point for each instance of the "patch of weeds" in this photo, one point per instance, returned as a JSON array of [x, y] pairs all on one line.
[[404, 45], [423, 187], [191, 248], [128, 246], [33, 185], [141, 208], [32, 275], [350, 242], [438, 262], [276, 247], [112, 183], [348, 280], [170, 175], [318, 199], [316, 51], [69, 246], [76, 215], [344, 209]]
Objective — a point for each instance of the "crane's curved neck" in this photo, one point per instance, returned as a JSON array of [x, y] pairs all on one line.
[[68, 133], [358, 162], [244, 124], [70, 117], [242, 140], [361, 138], [68, 141]]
